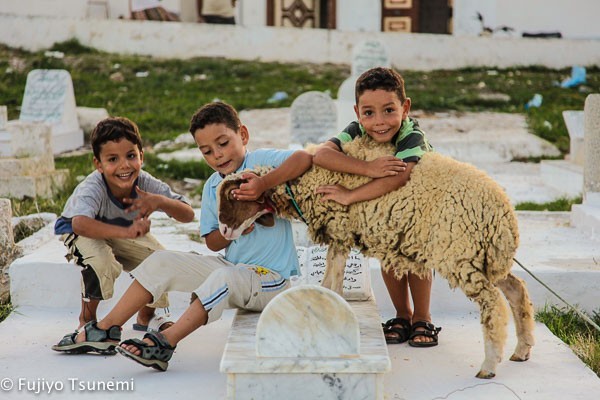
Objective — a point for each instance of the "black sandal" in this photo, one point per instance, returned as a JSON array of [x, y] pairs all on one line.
[[155, 355], [394, 334], [96, 340], [430, 331]]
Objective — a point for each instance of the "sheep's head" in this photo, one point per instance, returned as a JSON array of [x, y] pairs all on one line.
[[236, 216]]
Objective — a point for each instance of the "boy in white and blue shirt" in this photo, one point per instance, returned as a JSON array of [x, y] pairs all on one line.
[[256, 266]]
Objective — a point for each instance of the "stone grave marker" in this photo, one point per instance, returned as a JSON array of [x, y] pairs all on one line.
[[574, 122], [591, 170], [345, 103], [369, 54], [313, 118], [49, 98]]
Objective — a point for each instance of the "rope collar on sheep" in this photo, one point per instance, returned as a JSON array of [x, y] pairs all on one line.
[[288, 190]]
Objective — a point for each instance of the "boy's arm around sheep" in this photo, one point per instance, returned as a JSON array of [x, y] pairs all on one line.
[[390, 173]]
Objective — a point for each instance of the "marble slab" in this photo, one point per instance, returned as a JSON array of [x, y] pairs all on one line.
[[307, 321], [240, 356]]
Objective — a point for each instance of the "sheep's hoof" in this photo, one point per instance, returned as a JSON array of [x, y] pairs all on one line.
[[515, 357], [485, 374]]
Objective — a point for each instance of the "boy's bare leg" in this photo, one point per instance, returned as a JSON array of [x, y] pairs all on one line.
[[146, 314], [193, 318], [420, 289], [133, 300], [88, 311], [398, 291]]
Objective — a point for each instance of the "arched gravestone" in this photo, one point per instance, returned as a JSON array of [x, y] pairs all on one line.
[[307, 321], [345, 103], [369, 54], [313, 118], [49, 98]]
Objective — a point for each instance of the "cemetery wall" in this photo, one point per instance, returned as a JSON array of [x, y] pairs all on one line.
[[183, 40], [575, 20]]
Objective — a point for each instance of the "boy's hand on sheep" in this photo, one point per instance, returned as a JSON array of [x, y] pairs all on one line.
[[385, 166], [337, 193], [251, 189]]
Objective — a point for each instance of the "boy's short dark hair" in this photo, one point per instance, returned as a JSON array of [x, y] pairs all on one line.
[[380, 78], [216, 112], [114, 129]]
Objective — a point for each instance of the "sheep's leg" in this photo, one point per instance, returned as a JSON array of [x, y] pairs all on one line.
[[522, 309], [334, 271], [494, 318]]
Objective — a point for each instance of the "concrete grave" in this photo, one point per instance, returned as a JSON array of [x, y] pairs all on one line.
[[307, 343], [29, 169], [313, 118], [346, 102], [8, 250], [49, 98], [574, 121], [369, 54], [587, 215]]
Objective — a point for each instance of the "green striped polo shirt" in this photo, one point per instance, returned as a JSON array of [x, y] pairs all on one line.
[[410, 141]]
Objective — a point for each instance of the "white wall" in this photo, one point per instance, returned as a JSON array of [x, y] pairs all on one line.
[[575, 19], [358, 15], [185, 40]]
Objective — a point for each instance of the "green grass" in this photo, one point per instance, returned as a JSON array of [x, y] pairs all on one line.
[[581, 337], [562, 204], [5, 310]]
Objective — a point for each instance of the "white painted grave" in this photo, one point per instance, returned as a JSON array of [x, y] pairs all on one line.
[[27, 163], [308, 343], [365, 55], [369, 54], [587, 215], [345, 103], [49, 98], [313, 118], [574, 122]]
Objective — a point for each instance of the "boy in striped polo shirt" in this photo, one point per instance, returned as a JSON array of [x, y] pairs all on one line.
[[382, 110]]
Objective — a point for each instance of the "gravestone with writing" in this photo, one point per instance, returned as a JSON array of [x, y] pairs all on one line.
[[357, 277], [369, 54], [313, 118], [49, 98], [365, 55]]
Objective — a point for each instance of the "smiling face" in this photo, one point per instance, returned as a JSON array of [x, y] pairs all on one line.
[[223, 148], [120, 162], [381, 113]]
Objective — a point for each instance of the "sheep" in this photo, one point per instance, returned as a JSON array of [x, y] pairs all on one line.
[[450, 217]]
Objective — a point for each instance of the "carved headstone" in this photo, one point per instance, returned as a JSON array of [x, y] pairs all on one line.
[[369, 54], [313, 118], [49, 98], [324, 326]]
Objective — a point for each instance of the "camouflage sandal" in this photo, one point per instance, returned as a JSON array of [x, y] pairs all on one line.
[[96, 340], [155, 355]]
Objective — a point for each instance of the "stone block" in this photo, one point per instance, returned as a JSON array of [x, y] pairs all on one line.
[[25, 139], [44, 185]]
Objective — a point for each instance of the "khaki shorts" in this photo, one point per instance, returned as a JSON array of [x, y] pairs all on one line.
[[218, 283], [103, 260]]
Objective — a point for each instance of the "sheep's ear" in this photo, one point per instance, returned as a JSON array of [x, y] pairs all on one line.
[[267, 220]]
